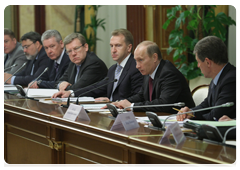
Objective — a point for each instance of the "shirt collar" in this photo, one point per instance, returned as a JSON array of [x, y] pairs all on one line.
[[60, 58], [215, 80], [154, 72], [123, 63]]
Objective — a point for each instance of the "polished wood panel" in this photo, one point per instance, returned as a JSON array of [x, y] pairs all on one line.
[[136, 23], [35, 132]]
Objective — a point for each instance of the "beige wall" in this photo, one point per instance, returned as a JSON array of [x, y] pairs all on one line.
[[26, 19], [61, 18]]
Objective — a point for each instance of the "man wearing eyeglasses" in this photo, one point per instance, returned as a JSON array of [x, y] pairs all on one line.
[[54, 47], [85, 67], [37, 60], [13, 52]]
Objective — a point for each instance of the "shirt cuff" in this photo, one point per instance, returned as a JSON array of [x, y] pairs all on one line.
[[12, 79]]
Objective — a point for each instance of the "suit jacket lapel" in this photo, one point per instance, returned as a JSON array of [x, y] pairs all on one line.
[[157, 75]]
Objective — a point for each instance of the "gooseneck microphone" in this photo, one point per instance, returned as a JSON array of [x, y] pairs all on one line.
[[180, 104], [14, 65], [16, 71], [228, 104], [68, 101], [95, 89], [46, 69]]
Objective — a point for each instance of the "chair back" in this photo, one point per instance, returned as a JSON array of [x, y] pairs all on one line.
[[199, 93]]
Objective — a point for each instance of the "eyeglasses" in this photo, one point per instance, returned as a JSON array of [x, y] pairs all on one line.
[[26, 46], [76, 49]]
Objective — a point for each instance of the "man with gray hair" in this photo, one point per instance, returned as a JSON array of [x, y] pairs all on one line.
[[13, 52], [85, 67], [54, 47], [163, 83]]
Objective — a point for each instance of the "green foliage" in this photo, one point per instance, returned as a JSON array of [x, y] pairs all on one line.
[[95, 23], [206, 24]]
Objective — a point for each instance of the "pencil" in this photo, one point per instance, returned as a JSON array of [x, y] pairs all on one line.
[[181, 112]]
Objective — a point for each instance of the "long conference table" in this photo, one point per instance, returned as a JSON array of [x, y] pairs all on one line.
[[36, 133]]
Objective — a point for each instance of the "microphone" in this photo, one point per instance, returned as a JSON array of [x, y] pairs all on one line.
[[68, 101], [46, 69], [180, 104], [14, 65], [16, 71], [225, 134], [95, 89], [228, 104]]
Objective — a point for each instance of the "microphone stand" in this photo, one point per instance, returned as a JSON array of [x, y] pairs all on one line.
[[46, 69], [95, 89], [16, 72], [68, 101], [180, 104], [208, 108], [14, 65]]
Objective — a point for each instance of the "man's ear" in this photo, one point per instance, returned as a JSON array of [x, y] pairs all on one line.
[[130, 47], [208, 61], [155, 57]]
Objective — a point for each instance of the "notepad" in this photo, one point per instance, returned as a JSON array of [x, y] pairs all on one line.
[[214, 123]]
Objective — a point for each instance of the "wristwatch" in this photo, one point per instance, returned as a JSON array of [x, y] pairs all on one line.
[[39, 82]]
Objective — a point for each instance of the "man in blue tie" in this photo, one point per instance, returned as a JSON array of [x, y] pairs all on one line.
[[211, 55], [54, 47]]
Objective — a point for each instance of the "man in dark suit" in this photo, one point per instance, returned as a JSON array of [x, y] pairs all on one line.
[[211, 55], [129, 78], [37, 60], [13, 52], [54, 47], [85, 67], [162, 83]]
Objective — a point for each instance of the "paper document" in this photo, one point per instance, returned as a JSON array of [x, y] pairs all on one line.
[[80, 99], [169, 121], [7, 88], [214, 123], [40, 92]]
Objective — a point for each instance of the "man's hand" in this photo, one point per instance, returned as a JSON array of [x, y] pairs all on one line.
[[102, 99], [34, 85], [224, 118], [184, 116], [6, 76], [64, 85], [62, 94], [122, 104]]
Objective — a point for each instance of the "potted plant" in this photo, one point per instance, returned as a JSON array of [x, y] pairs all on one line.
[[200, 21], [80, 27]]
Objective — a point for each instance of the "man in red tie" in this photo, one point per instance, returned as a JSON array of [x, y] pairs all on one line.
[[163, 83]]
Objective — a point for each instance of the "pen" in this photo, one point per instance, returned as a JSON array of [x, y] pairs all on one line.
[[214, 118], [181, 111]]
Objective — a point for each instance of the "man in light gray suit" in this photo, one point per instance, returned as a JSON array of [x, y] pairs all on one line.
[[13, 52]]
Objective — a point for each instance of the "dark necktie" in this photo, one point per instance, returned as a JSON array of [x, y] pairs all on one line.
[[213, 93], [56, 65], [6, 59], [150, 84]]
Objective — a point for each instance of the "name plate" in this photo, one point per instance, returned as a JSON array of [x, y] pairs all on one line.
[[177, 134], [76, 112], [125, 120]]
